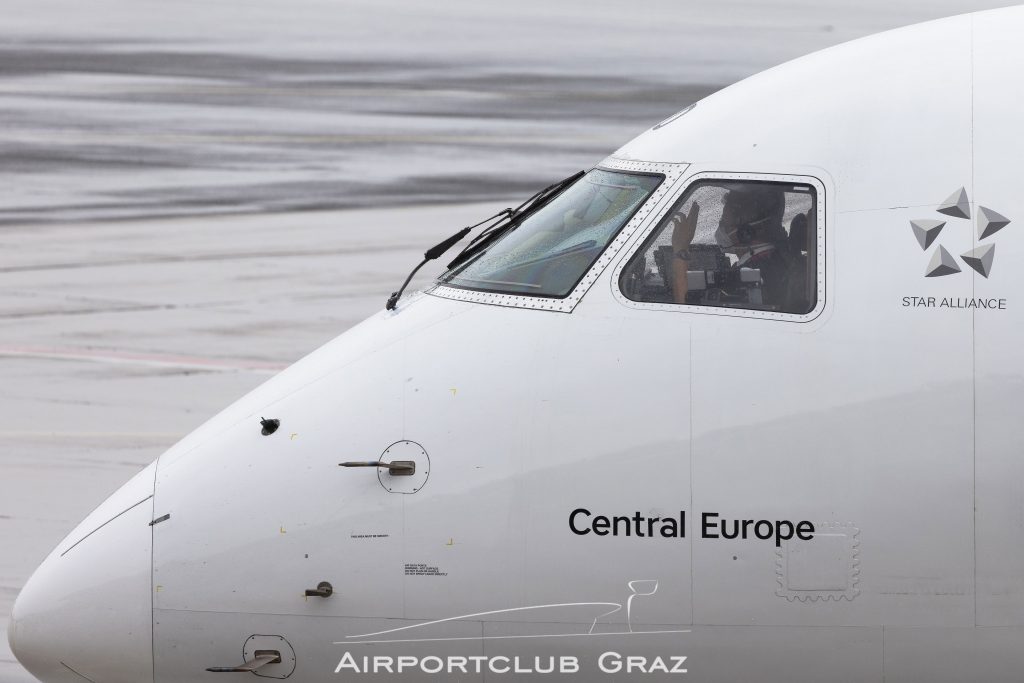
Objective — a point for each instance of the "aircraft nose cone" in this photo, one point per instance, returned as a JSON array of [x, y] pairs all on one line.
[[86, 613]]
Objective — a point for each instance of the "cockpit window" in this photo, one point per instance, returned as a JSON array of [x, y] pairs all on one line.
[[737, 244], [551, 251]]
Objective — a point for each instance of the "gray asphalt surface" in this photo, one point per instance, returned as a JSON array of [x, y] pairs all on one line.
[[196, 194]]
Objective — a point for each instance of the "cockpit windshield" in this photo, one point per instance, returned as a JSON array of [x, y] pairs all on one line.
[[551, 251]]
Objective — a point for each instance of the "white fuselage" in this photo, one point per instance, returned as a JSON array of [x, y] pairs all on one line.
[[596, 475]]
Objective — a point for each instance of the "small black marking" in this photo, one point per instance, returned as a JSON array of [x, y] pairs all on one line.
[[160, 519], [269, 426]]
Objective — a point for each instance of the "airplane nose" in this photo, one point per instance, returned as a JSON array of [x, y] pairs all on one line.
[[86, 613]]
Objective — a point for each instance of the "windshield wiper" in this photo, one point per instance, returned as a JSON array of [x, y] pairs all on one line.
[[500, 224], [436, 251], [519, 214]]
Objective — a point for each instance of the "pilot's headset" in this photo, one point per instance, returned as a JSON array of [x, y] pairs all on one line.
[[757, 212]]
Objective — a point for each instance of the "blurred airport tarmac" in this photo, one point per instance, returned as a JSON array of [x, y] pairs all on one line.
[[196, 194]]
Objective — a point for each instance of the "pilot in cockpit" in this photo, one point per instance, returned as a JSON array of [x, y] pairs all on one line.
[[751, 254]]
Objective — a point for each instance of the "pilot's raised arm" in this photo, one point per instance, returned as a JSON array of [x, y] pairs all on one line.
[[683, 230]]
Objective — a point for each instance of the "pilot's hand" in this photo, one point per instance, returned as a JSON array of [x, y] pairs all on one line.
[[682, 235], [685, 228]]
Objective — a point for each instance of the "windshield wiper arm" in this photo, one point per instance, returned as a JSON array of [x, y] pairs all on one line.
[[436, 251], [519, 214], [504, 220]]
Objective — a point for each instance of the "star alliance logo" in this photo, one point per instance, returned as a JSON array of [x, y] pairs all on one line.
[[942, 263]]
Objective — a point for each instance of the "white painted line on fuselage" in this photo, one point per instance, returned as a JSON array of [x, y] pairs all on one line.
[[541, 635], [462, 617]]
